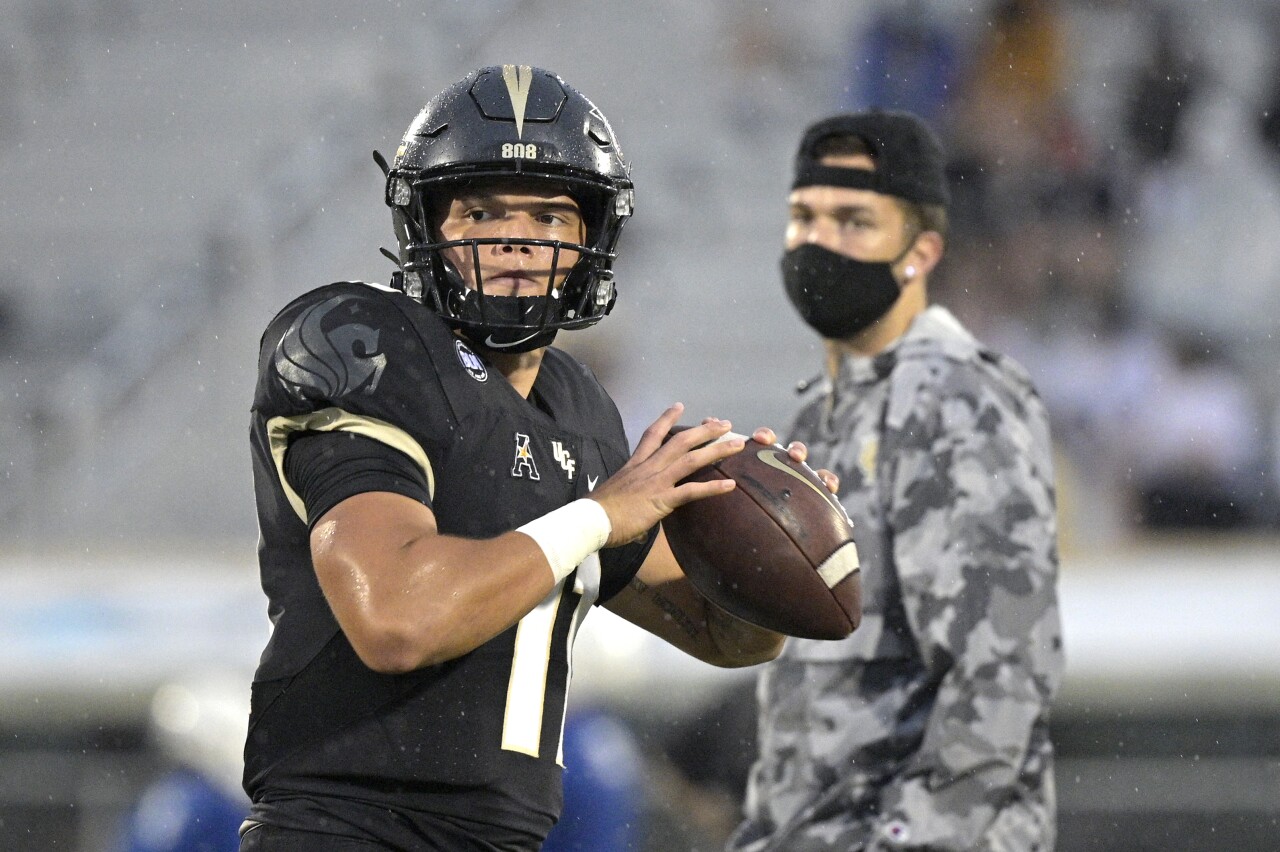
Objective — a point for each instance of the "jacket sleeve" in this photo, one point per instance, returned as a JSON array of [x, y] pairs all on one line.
[[974, 540]]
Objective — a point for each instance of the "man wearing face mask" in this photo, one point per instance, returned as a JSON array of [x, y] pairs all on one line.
[[928, 727]]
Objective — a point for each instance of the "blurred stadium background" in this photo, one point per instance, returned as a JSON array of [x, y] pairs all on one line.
[[174, 172]]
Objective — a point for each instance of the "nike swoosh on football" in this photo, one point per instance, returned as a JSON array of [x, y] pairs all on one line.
[[770, 457]]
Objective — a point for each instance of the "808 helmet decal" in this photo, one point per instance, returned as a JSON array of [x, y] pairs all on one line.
[[513, 122]]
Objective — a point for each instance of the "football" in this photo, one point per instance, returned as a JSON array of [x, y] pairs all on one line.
[[777, 551]]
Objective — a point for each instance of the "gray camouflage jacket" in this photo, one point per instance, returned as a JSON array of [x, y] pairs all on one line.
[[927, 728]]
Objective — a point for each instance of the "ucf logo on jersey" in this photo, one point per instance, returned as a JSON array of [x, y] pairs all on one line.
[[524, 465], [562, 457]]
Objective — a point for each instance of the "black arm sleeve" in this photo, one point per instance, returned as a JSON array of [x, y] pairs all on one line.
[[326, 468]]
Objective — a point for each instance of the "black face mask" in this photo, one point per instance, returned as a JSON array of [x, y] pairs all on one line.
[[835, 294]]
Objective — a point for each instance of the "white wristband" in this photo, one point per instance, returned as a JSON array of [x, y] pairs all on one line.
[[569, 534]]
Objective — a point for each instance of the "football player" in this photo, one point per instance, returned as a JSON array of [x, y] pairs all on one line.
[[442, 495]]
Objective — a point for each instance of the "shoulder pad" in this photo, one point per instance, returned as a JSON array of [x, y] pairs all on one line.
[[347, 345]]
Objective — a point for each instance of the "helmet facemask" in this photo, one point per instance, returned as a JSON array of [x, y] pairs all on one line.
[[576, 285]]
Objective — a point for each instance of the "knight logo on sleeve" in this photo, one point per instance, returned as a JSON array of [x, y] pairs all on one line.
[[313, 360]]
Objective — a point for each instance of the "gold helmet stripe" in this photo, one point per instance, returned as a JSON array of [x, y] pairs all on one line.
[[518, 79]]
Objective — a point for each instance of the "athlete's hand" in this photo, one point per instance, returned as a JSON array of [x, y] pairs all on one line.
[[645, 490], [799, 452]]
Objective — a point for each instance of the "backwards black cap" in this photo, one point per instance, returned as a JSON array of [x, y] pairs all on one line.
[[910, 162]]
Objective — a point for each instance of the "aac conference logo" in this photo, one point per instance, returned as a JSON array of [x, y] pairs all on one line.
[[471, 362]]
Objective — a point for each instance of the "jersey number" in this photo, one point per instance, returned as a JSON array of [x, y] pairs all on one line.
[[527, 689]]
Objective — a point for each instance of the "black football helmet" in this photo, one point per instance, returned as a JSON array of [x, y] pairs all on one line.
[[510, 121]]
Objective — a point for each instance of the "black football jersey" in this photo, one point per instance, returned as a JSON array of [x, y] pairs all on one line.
[[475, 741]]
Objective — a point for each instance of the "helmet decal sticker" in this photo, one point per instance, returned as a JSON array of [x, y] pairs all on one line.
[[518, 79]]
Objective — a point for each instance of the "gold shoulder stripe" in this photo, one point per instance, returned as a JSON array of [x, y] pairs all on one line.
[[519, 78], [336, 420]]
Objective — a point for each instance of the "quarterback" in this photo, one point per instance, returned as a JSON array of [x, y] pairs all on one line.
[[443, 496]]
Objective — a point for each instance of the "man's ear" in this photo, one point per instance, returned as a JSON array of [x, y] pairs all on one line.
[[924, 255]]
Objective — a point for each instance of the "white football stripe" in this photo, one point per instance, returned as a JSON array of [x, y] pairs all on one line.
[[839, 565]]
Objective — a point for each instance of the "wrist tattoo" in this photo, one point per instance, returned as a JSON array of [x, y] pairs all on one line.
[[691, 626]]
